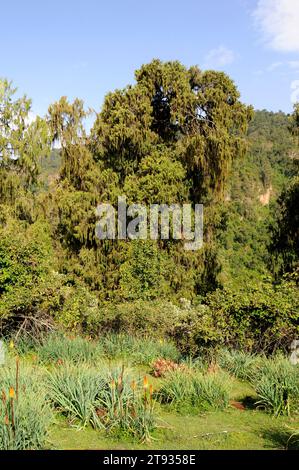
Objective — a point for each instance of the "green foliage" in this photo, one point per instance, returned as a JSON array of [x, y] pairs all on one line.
[[159, 179], [74, 391], [58, 348], [28, 429], [106, 399], [21, 146], [141, 350], [285, 242], [189, 390], [25, 415], [142, 275], [276, 383], [25, 270], [259, 317], [78, 308], [127, 407], [175, 136], [140, 318], [238, 363]]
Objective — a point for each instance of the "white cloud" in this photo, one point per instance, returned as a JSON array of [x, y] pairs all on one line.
[[294, 64], [219, 57], [279, 23], [274, 66]]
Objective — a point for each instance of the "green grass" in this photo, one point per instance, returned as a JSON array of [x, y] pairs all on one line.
[[276, 383], [58, 348], [141, 350], [248, 430], [238, 363], [90, 413], [25, 414], [187, 390]]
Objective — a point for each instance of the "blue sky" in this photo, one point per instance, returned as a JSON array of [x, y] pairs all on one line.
[[87, 48]]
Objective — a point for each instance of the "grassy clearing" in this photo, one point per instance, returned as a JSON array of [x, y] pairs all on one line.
[[99, 403]]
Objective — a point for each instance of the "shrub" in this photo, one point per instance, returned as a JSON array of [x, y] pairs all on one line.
[[144, 318], [26, 264], [261, 317]]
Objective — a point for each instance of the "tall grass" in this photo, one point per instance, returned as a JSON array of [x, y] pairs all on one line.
[[106, 399], [25, 415], [184, 391], [238, 363], [58, 348], [127, 407], [74, 392], [138, 350], [276, 382]]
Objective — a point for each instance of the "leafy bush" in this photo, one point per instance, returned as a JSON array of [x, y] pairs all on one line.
[[141, 317], [26, 259], [260, 317], [191, 329]]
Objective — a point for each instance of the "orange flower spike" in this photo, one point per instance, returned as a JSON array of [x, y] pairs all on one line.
[[133, 385], [151, 390], [145, 382], [11, 392]]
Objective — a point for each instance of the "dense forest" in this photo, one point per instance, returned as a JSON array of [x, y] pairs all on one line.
[[176, 135]]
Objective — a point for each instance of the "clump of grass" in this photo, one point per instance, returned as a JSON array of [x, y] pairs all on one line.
[[194, 390], [58, 348], [138, 350], [106, 399], [128, 408], [25, 415], [238, 363], [74, 391], [276, 382]]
